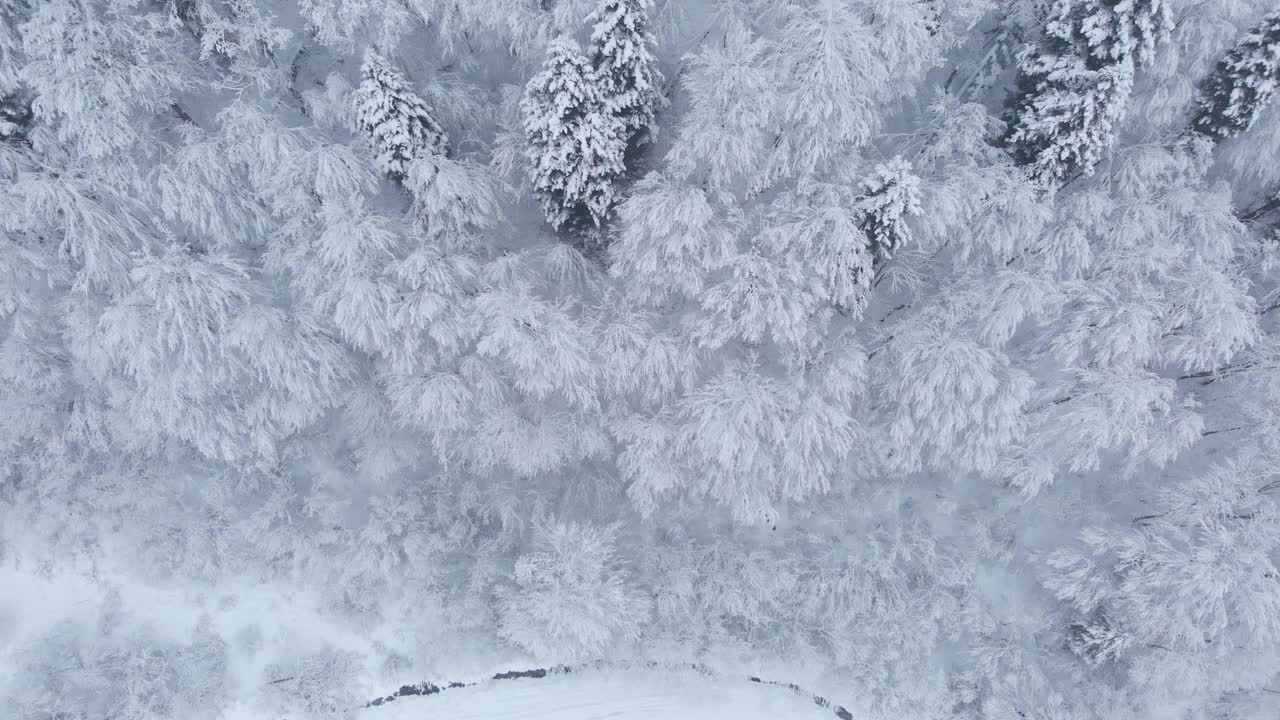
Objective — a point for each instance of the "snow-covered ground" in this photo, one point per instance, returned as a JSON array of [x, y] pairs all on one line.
[[608, 695]]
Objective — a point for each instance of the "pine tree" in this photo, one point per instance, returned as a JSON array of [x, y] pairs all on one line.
[[1074, 86], [1233, 95], [575, 147], [397, 121], [622, 55], [892, 195], [15, 117]]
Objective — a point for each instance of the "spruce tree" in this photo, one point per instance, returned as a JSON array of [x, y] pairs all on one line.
[[575, 145], [398, 122], [629, 78], [15, 116], [15, 102], [892, 195], [1074, 86], [1233, 95]]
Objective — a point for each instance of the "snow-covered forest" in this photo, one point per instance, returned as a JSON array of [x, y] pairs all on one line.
[[924, 353]]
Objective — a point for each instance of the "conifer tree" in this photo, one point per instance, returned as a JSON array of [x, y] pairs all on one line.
[[575, 144], [622, 55], [12, 13], [1074, 86], [15, 117], [398, 122], [892, 195], [1233, 95]]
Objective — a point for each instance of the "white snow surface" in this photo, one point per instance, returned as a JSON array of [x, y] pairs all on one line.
[[608, 695]]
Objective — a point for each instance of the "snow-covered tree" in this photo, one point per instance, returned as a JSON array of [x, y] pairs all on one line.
[[119, 667], [891, 197], [1074, 85], [240, 38], [1119, 332], [1187, 597], [12, 13], [316, 685], [15, 104], [1241, 84], [575, 147], [343, 23], [572, 600], [397, 121], [842, 64], [733, 95], [621, 53], [101, 72], [15, 117]]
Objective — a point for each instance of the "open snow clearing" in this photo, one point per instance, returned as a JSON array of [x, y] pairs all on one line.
[[608, 695]]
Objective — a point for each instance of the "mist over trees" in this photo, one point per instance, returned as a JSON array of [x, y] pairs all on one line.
[[924, 351]]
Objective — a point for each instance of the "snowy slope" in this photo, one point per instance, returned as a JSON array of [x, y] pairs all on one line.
[[608, 695]]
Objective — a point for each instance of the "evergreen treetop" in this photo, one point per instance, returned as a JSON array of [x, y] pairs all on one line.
[[622, 55], [1073, 86], [1234, 94], [398, 122], [575, 146]]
